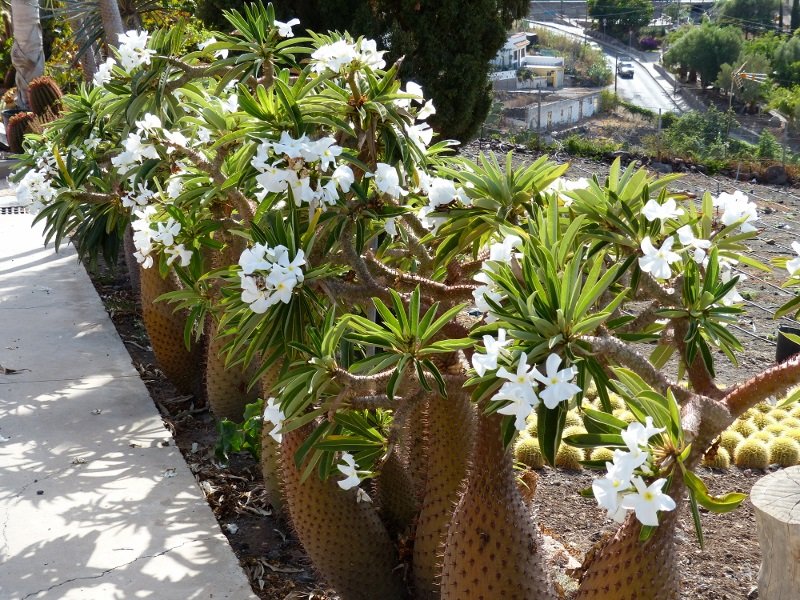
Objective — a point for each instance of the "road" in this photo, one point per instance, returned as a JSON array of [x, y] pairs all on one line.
[[646, 89]]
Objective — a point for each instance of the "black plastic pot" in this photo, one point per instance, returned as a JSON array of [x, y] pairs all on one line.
[[786, 347]]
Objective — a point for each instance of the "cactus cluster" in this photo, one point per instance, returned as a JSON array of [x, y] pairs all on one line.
[[720, 459]]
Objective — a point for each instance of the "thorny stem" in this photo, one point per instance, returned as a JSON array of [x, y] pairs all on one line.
[[626, 355], [358, 264], [236, 197], [775, 381], [361, 384], [449, 294], [644, 319], [93, 197]]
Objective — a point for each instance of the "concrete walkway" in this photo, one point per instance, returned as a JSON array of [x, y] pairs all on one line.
[[96, 502]]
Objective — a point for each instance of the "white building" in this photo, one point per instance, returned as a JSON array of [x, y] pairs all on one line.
[[549, 67], [512, 53], [558, 109]]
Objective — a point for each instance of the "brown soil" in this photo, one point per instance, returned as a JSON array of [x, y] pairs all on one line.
[[278, 569]]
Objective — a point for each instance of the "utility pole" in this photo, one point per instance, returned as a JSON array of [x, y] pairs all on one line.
[[658, 137], [539, 112], [616, 72]]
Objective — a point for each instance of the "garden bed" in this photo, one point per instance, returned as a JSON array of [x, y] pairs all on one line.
[[275, 562]]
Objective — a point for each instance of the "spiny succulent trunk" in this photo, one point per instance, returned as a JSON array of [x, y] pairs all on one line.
[[128, 248], [623, 568], [493, 547], [399, 487], [227, 387], [270, 451], [344, 538], [182, 366], [448, 426]]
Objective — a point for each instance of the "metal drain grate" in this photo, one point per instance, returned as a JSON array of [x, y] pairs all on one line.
[[13, 210]]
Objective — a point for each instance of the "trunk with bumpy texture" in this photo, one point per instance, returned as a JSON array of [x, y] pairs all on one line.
[[448, 425], [183, 367], [226, 387], [270, 450], [493, 548], [623, 568], [344, 538], [394, 495]]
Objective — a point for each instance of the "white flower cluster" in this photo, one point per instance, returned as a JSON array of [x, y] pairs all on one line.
[[133, 53], [622, 490], [501, 252], [417, 97], [341, 54], [146, 238], [269, 276], [36, 189], [562, 186], [440, 192], [296, 165], [520, 388], [274, 415], [736, 207]]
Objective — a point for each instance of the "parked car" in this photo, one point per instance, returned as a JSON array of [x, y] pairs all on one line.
[[625, 70]]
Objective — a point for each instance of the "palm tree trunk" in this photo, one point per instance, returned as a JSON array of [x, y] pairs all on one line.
[[27, 53], [112, 21]]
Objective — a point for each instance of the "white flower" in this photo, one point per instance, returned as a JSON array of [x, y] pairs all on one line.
[[440, 191], [504, 251], [655, 211], [558, 386], [687, 238], [166, 231], [254, 259], [487, 362], [369, 54], [390, 226], [273, 180], [420, 135], [333, 56], [608, 490], [793, 265], [325, 150], [255, 293], [736, 207], [519, 391], [103, 74], [648, 500], [178, 252], [348, 469], [636, 434], [733, 296], [657, 261], [150, 123], [133, 51], [387, 180], [430, 219], [344, 177], [428, 110], [273, 414], [562, 186], [285, 29], [174, 187], [230, 104], [293, 148], [177, 138]]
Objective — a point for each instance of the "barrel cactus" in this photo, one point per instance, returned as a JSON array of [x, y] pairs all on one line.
[[19, 126], [718, 459], [45, 97], [730, 439], [784, 451], [527, 452], [752, 454]]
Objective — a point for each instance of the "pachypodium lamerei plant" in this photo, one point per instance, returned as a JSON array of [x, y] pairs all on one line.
[[406, 311]]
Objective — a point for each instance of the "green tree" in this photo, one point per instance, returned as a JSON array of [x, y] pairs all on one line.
[[750, 15], [705, 49], [766, 45], [618, 17], [768, 146], [748, 91], [787, 62], [446, 45]]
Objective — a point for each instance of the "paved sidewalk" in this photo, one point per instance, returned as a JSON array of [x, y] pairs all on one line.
[[96, 502]]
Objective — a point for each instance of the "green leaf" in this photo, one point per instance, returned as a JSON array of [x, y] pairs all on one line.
[[698, 526], [594, 440], [550, 427], [717, 504]]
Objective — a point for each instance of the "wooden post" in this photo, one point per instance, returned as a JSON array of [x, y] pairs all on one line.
[[776, 499]]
